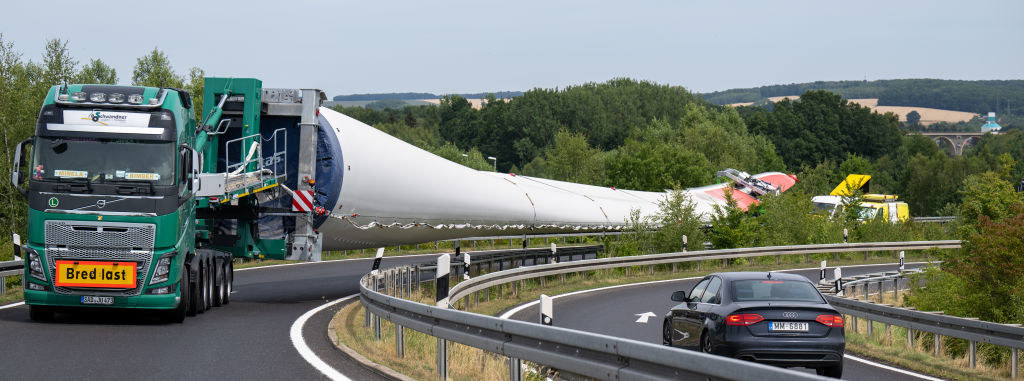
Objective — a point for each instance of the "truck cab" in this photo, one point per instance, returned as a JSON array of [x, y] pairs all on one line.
[[108, 179]]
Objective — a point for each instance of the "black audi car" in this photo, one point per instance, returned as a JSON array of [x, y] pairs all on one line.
[[773, 318]]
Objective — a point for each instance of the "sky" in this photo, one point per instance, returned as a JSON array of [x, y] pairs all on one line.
[[442, 47]]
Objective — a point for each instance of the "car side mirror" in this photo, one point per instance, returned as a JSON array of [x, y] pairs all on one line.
[[679, 296]]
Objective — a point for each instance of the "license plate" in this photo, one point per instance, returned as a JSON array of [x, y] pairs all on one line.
[[789, 326], [104, 300], [111, 274]]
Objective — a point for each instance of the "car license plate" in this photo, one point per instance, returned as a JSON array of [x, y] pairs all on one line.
[[104, 300], [789, 326], [108, 274]]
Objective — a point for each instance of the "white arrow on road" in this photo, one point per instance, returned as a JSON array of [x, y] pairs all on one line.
[[644, 316]]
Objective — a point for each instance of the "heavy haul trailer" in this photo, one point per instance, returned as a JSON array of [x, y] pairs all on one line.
[[132, 203]]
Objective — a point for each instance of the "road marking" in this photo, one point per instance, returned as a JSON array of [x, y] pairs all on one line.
[[644, 316], [11, 305], [307, 354], [889, 368]]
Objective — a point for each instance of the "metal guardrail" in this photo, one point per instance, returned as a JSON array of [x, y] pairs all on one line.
[[934, 322], [585, 353], [533, 236], [9, 268], [488, 280], [934, 219]]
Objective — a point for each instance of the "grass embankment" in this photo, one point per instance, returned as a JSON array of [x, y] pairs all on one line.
[[421, 350], [891, 347]]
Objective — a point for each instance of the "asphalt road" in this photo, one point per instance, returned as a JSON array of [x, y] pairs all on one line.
[[615, 312], [245, 340]]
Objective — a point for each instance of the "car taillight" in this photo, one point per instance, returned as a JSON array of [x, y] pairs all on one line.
[[830, 320], [743, 319]]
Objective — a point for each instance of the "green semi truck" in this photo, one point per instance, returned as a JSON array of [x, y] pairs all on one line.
[[133, 203]]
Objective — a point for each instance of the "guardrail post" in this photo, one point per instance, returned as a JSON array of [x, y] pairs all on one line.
[[871, 327], [442, 359], [937, 346], [853, 319], [880, 292], [895, 289], [910, 337], [367, 323], [725, 262], [972, 350], [1014, 354], [514, 369], [399, 340], [376, 327], [778, 259]]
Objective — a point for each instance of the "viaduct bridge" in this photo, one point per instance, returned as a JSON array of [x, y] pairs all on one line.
[[957, 140]]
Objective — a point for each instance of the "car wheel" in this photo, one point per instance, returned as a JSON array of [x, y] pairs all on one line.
[[831, 371], [203, 300], [705, 342], [666, 333]]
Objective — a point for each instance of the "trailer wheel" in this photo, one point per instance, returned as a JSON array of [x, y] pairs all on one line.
[[218, 283], [229, 279], [40, 313]]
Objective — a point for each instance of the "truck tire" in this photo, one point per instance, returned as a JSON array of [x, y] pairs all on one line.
[[218, 282], [40, 313], [177, 315], [202, 301], [229, 279], [193, 291], [208, 282]]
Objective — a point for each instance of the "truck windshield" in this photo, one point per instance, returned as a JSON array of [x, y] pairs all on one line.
[[103, 160]]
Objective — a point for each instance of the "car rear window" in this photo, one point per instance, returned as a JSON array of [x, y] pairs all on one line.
[[770, 290]]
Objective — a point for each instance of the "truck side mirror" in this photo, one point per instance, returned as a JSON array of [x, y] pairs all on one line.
[[16, 177], [679, 296]]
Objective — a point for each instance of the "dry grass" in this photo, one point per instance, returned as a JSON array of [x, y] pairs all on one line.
[[928, 115], [420, 361]]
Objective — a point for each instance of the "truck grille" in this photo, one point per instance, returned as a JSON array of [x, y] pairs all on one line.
[[93, 240]]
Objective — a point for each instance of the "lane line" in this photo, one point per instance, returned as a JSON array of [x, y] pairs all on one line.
[[524, 306], [892, 369], [11, 305], [521, 307], [307, 354]]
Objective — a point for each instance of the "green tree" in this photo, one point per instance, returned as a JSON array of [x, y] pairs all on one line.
[[154, 69], [96, 71], [572, 159], [656, 165], [913, 118], [195, 86], [58, 66], [988, 196]]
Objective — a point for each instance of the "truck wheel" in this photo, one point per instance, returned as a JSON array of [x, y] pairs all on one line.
[[40, 313], [189, 284], [229, 279], [209, 283], [201, 303], [218, 283], [177, 315]]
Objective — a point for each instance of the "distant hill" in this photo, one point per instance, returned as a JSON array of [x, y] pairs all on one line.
[[969, 96], [419, 96]]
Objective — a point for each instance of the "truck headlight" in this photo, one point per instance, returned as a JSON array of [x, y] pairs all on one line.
[[163, 269], [35, 265]]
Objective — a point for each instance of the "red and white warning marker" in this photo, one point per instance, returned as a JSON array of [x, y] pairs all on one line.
[[302, 201]]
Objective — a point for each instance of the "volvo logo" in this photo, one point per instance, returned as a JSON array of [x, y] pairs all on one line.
[[101, 203], [789, 314]]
